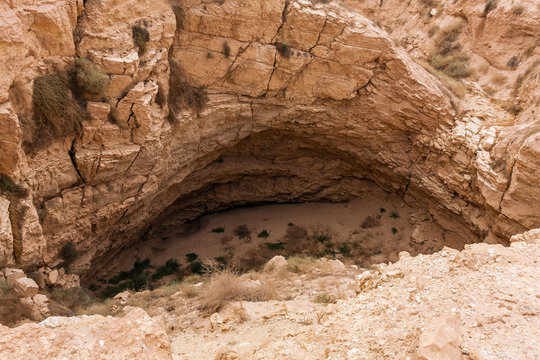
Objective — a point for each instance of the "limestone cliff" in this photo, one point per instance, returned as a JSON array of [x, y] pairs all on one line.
[[294, 101]]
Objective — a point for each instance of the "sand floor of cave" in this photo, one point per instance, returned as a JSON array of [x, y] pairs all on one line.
[[341, 222]]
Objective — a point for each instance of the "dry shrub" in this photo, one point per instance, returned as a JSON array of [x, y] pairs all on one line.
[[446, 55], [88, 78], [183, 94], [243, 232], [226, 49], [300, 264], [490, 5], [455, 86], [226, 286], [141, 37], [56, 113], [324, 298], [371, 222], [240, 313], [9, 188], [489, 90], [104, 308], [513, 62]]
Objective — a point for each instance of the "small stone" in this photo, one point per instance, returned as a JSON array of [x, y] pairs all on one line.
[[276, 264], [53, 277], [404, 255], [441, 339]]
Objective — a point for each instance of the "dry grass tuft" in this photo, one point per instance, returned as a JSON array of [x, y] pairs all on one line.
[[88, 78], [446, 55], [183, 94], [301, 264], [9, 188], [226, 286], [141, 37], [56, 113], [240, 313], [11, 309]]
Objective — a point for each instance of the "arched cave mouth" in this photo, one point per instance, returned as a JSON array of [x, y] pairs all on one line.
[[278, 193]]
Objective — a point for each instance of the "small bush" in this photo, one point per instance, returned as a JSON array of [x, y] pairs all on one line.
[[446, 55], [283, 49], [394, 231], [513, 62], [141, 37], [182, 93], [280, 245], [394, 215], [9, 188], [191, 257], [170, 267], [226, 49], [196, 267], [324, 298], [345, 249], [69, 252], [263, 234], [322, 238], [88, 78], [382, 210], [243, 232], [490, 5], [371, 222], [218, 230], [134, 279], [225, 287], [56, 113]]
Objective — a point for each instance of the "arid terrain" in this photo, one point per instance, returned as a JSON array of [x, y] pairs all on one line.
[[278, 179]]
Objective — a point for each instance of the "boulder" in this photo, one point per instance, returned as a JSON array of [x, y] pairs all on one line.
[[25, 287], [441, 339]]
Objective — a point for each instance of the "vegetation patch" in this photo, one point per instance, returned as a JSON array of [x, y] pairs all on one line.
[[446, 55], [69, 252], [226, 49], [170, 267], [283, 49], [141, 37], [490, 5], [218, 230], [280, 245], [243, 232], [88, 78], [56, 113], [134, 279], [9, 188], [263, 234], [394, 215], [183, 94]]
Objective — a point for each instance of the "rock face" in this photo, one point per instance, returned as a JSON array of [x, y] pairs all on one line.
[[136, 335], [304, 102]]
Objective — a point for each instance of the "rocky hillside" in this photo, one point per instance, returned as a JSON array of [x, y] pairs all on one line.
[[178, 108]]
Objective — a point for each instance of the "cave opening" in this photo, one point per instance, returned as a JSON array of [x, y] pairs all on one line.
[[278, 193]]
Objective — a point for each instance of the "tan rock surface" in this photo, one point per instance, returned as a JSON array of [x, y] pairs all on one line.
[[343, 102], [135, 335]]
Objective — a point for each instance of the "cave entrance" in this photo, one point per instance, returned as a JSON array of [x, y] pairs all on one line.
[[275, 193]]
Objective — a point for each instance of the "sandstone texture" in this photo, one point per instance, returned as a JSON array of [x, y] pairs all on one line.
[[305, 101], [134, 336]]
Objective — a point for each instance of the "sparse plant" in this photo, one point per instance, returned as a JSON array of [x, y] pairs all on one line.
[[69, 252], [263, 234], [446, 55], [88, 78], [394, 231], [322, 238], [382, 210], [394, 215], [345, 249], [280, 245], [513, 62], [240, 313], [226, 49], [324, 298], [9, 188], [170, 267], [182, 93], [283, 49], [300, 264], [191, 257], [218, 230], [243, 232], [56, 113], [490, 5], [371, 222], [141, 37]]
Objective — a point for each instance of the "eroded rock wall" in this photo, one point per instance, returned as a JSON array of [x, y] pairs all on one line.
[[305, 102]]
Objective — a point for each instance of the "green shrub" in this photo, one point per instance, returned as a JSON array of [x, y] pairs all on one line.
[[513, 62], [88, 78], [170, 267], [394, 231], [191, 257], [345, 249], [9, 188], [263, 234], [382, 210], [218, 230], [69, 252], [280, 245], [56, 113], [322, 238], [394, 215], [141, 37]]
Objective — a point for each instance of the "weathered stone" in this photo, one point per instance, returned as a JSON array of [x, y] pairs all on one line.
[[441, 339], [25, 287]]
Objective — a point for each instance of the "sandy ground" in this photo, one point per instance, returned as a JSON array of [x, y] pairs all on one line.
[[394, 227]]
